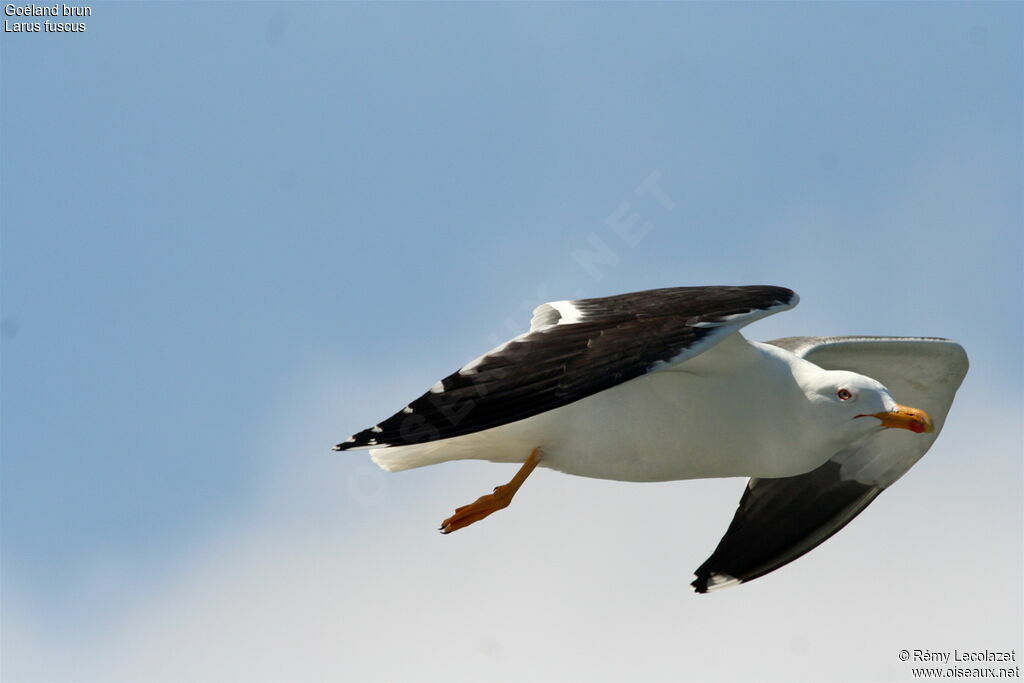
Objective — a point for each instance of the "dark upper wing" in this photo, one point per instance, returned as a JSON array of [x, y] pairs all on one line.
[[778, 520], [575, 349]]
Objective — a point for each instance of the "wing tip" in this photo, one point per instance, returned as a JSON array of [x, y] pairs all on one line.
[[709, 581], [363, 439]]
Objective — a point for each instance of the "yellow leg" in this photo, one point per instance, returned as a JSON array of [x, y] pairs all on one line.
[[492, 502]]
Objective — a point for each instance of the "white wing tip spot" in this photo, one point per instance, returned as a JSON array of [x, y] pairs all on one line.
[[719, 581]]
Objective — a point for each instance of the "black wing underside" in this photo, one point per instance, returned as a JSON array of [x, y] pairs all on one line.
[[778, 520], [609, 341]]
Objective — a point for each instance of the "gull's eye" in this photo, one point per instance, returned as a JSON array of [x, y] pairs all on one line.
[[844, 395]]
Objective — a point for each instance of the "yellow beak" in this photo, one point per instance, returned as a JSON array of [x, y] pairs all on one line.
[[905, 417]]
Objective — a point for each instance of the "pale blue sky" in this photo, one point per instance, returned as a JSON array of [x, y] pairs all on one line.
[[235, 233]]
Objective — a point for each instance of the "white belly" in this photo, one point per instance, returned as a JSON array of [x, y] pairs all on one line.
[[693, 421]]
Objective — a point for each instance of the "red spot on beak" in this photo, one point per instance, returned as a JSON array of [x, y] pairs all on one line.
[[904, 417]]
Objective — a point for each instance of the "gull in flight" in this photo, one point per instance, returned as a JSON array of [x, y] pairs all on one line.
[[660, 385]]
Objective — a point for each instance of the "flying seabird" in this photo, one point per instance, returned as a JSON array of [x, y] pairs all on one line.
[[660, 385]]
